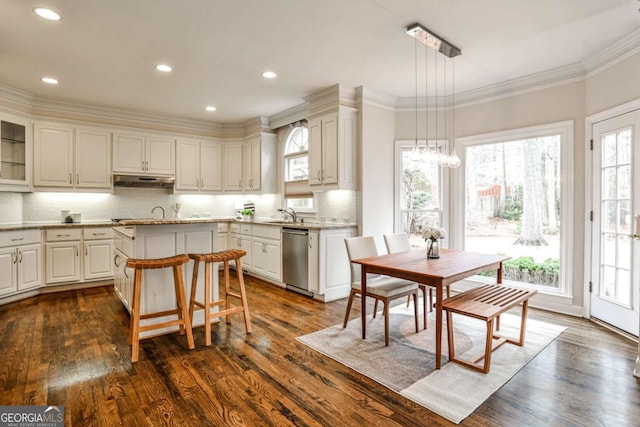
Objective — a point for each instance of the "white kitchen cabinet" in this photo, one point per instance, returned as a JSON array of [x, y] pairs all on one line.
[[143, 154], [15, 153], [314, 259], [66, 157], [233, 167], [62, 262], [240, 238], [199, 166], [62, 255], [20, 261], [92, 164], [329, 267], [53, 155], [98, 249], [332, 150], [251, 166], [223, 233], [78, 254], [266, 251]]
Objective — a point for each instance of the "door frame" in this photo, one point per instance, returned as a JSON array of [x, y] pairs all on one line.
[[589, 121]]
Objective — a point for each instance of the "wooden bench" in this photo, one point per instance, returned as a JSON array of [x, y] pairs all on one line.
[[487, 303]]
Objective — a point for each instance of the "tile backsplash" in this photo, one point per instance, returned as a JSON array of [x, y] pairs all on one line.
[[38, 207]]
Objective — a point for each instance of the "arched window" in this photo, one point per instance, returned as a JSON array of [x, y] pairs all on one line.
[[297, 194], [296, 154]]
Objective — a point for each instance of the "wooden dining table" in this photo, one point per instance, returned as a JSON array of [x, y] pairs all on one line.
[[451, 267]]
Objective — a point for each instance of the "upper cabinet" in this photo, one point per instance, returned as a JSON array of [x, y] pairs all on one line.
[[198, 166], [332, 150], [250, 166], [143, 154], [71, 158], [15, 153]]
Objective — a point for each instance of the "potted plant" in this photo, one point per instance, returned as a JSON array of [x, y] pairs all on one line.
[[247, 214]]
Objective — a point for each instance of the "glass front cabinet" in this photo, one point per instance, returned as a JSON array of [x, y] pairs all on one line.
[[15, 153]]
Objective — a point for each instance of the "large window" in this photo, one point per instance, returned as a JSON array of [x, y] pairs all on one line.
[[516, 200], [419, 198], [296, 169]]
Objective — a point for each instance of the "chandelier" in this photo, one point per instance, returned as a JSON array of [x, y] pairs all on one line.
[[445, 153]]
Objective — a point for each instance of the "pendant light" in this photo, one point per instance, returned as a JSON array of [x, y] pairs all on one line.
[[445, 154]]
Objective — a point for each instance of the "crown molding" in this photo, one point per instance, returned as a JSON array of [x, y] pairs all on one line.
[[373, 97], [291, 115], [623, 49], [51, 108]]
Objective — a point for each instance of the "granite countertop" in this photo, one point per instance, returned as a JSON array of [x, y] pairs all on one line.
[[149, 221], [44, 225], [256, 221]]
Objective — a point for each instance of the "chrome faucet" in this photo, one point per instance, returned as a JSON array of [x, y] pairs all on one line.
[[156, 207], [290, 212]]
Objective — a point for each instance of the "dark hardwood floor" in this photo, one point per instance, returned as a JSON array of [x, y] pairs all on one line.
[[71, 349]]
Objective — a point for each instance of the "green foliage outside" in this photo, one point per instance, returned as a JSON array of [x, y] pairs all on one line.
[[526, 269]]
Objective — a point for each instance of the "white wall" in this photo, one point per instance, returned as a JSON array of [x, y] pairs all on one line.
[[375, 203]]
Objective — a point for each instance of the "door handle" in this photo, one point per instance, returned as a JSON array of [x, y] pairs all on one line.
[[77, 178], [70, 178], [14, 257], [310, 238], [20, 252]]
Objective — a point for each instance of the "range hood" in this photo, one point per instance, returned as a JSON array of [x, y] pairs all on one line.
[[144, 181]]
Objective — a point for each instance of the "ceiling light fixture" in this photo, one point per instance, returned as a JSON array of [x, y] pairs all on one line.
[[49, 80], [269, 75], [164, 68], [447, 156], [47, 13], [210, 108]]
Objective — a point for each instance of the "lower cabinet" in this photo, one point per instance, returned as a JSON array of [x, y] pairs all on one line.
[[266, 251], [329, 267], [20, 261], [98, 248], [263, 244], [240, 238], [78, 254], [62, 255]]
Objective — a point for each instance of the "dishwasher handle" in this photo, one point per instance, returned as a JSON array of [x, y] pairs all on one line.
[[295, 231]]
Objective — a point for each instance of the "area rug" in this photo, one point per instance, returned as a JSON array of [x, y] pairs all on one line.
[[407, 365]]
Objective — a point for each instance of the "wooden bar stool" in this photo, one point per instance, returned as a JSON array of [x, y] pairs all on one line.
[[209, 302], [183, 320]]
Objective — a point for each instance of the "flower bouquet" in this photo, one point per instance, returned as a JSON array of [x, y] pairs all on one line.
[[431, 235]]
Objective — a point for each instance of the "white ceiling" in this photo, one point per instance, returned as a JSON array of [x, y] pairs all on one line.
[[104, 52]]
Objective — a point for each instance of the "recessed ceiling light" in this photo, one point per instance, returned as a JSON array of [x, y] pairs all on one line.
[[269, 75], [210, 108], [164, 68], [49, 80], [46, 13]]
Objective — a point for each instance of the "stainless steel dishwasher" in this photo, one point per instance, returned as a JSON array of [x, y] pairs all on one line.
[[295, 259]]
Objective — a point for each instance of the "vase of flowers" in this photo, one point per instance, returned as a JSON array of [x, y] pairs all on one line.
[[432, 236]]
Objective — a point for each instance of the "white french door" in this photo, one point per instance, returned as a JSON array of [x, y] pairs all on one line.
[[615, 257]]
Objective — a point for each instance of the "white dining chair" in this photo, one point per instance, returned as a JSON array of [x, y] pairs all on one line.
[[381, 288], [400, 242]]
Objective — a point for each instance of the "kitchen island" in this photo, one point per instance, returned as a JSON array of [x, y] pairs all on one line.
[[147, 239]]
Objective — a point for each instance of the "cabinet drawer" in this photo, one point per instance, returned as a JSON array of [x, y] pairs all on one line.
[[62, 234], [266, 232], [240, 228], [223, 227], [94, 233], [124, 245], [19, 237]]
